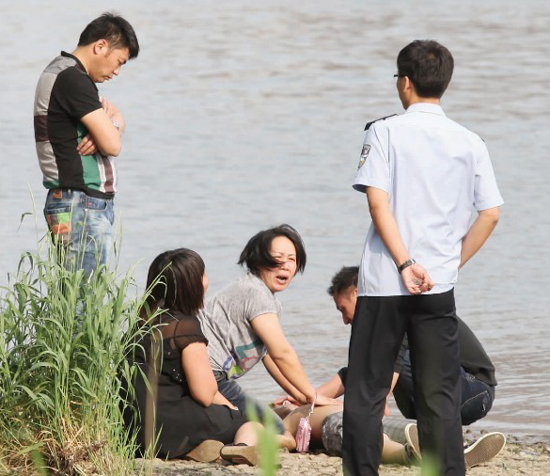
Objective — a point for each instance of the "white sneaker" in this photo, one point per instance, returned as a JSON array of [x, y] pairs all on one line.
[[412, 447], [484, 449]]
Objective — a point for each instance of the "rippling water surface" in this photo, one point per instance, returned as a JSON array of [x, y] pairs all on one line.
[[242, 115]]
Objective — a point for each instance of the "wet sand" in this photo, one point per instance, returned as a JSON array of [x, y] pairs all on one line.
[[516, 459]]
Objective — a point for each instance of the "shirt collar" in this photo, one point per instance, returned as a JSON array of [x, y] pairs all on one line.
[[426, 107], [78, 62]]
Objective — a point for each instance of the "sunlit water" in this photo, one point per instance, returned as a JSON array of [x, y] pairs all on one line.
[[242, 115]]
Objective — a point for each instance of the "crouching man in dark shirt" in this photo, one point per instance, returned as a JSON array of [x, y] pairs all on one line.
[[477, 371]]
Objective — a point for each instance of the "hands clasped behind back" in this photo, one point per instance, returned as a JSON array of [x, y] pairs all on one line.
[[416, 279]]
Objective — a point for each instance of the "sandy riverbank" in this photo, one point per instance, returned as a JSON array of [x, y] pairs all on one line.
[[515, 459]]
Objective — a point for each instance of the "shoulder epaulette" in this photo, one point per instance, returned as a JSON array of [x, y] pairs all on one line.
[[376, 120]]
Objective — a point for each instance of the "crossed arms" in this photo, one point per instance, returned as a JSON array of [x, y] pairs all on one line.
[[104, 136]]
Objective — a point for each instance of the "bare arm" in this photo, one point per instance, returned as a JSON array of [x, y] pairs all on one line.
[[219, 399], [114, 114], [198, 373], [103, 132], [415, 277], [268, 328], [332, 388], [280, 378], [478, 233], [87, 145], [284, 357]]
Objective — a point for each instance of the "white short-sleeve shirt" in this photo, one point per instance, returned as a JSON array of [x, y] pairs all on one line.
[[436, 173]]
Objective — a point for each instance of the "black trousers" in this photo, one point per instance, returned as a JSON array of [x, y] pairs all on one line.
[[377, 332]]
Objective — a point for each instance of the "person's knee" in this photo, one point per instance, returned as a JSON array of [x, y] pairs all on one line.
[[403, 394], [264, 414], [476, 407]]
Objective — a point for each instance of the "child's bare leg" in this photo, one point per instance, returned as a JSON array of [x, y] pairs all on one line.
[[393, 452], [287, 441], [247, 434]]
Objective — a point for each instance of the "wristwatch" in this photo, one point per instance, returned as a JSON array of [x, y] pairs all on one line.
[[404, 265]]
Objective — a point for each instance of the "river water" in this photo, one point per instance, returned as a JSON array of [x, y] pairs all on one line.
[[243, 115]]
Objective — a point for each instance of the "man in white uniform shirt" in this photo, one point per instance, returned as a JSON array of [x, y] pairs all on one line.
[[423, 175]]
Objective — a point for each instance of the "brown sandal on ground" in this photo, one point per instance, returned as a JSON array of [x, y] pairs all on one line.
[[240, 454], [207, 452]]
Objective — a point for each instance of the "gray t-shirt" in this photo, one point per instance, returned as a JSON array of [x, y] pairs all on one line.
[[226, 321]]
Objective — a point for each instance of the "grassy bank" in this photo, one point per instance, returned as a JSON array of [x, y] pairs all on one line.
[[63, 347]]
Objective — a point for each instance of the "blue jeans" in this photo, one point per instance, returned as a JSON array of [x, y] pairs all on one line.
[[477, 396], [81, 227], [238, 397]]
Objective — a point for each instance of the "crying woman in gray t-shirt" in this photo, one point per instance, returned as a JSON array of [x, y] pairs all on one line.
[[241, 322]]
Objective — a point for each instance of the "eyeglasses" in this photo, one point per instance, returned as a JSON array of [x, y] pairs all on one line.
[[398, 75]]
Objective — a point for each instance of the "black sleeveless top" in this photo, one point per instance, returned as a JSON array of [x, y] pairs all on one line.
[[173, 334]]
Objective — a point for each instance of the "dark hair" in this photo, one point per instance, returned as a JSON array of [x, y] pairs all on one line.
[[343, 279], [174, 282], [113, 28], [256, 252], [428, 64]]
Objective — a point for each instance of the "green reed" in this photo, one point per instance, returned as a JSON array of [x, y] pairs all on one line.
[[268, 444], [64, 341]]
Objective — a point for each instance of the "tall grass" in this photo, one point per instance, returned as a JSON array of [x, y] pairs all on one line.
[[268, 445], [63, 347]]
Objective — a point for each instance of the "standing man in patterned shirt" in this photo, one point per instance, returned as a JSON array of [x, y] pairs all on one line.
[[78, 135], [423, 175]]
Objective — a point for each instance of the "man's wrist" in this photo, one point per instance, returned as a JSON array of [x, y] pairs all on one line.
[[404, 265]]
